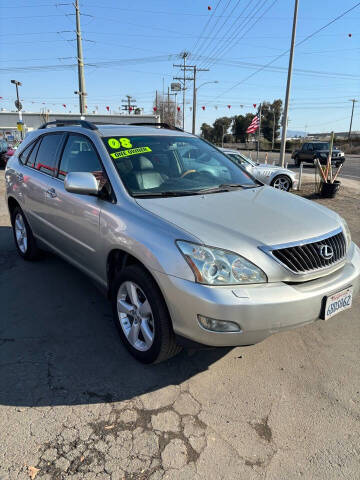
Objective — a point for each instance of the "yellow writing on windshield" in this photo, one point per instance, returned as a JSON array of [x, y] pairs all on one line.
[[132, 151], [122, 142]]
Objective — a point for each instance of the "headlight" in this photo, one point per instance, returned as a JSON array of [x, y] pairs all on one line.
[[347, 233], [213, 266]]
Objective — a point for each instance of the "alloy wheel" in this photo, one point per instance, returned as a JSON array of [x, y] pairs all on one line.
[[20, 233], [135, 316], [282, 183]]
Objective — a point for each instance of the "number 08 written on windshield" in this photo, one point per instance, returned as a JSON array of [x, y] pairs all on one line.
[[115, 143]]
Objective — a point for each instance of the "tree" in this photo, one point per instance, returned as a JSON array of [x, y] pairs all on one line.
[[267, 119], [240, 125], [207, 132], [167, 109], [220, 127]]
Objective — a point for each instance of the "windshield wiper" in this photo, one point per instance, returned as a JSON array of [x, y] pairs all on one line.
[[170, 193], [227, 187]]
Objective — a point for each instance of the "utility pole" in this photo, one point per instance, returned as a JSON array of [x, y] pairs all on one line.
[[187, 68], [194, 103], [352, 114], [258, 145], [128, 106], [288, 87], [18, 106], [81, 92], [183, 79]]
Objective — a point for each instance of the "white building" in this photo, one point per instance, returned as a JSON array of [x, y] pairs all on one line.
[[32, 121]]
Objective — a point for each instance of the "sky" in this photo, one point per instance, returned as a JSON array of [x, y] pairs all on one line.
[[130, 47]]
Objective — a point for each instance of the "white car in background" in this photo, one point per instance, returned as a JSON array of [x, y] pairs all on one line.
[[277, 177]]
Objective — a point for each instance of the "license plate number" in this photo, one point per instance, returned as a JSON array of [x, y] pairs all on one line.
[[338, 302]]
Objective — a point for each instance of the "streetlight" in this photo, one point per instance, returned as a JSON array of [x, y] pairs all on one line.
[[194, 102], [18, 104]]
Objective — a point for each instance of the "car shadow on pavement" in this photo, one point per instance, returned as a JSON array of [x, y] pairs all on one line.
[[58, 343]]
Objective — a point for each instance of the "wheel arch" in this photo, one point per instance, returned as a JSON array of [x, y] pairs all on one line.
[[117, 260], [281, 175], [12, 204]]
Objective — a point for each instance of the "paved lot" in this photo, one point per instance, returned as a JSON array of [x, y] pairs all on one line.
[[74, 405], [351, 168]]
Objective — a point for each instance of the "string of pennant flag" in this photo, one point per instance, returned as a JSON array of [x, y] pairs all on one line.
[[155, 109]]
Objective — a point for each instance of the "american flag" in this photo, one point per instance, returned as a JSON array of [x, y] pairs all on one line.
[[254, 125]]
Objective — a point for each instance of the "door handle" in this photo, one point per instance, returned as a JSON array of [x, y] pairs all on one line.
[[51, 193]]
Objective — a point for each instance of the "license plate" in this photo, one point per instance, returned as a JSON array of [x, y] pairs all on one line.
[[338, 302]]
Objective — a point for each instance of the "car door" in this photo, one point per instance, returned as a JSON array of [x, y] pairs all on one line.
[[39, 168], [74, 219]]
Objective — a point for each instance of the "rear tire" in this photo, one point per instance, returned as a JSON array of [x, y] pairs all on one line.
[[24, 239], [141, 316], [297, 161]]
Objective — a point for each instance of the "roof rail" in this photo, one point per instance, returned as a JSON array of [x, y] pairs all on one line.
[[157, 125], [63, 123]]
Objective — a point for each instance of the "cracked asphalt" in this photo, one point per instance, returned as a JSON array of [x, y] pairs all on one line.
[[74, 404]]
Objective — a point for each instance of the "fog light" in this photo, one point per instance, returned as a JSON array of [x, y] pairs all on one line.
[[218, 325]]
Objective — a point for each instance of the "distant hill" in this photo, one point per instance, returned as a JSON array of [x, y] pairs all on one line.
[[295, 133]]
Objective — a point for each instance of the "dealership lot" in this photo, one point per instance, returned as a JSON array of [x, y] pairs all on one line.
[[74, 404]]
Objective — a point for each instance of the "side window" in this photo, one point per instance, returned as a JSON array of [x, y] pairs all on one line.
[[46, 158], [24, 156], [30, 161], [304, 147], [310, 147], [80, 156]]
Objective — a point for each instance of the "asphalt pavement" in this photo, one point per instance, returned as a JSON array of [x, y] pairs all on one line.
[[74, 405], [350, 169]]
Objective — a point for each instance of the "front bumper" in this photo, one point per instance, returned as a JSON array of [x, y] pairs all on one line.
[[260, 310]]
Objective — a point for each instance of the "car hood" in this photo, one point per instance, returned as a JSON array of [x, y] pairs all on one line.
[[245, 218]]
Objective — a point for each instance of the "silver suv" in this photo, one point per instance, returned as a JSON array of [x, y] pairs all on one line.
[[188, 247]]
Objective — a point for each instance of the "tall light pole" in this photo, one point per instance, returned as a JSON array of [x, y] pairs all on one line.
[[18, 104], [194, 99], [288, 87], [351, 120], [81, 92]]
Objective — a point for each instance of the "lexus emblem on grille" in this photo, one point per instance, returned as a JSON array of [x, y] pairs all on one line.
[[326, 252]]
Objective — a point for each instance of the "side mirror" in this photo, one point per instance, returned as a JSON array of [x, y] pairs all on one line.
[[83, 183]]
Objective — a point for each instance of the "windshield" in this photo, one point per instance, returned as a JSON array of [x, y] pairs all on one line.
[[173, 165], [321, 146], [240, 158]]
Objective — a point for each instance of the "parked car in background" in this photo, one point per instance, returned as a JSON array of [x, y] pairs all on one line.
[[6, 155], [273, 175], [311, 151], [188, 246]]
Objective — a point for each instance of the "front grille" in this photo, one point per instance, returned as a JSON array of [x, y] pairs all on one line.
[[306, 257]]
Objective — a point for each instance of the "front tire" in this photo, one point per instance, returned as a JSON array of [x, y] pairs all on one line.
[[282, 182], [141, 316], [23, 236]]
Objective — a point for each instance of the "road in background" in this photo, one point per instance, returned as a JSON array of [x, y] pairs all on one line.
[[351, 168]]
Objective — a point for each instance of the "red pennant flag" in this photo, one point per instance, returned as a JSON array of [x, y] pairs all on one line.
[[203, 108], [178, 109], [155, 109], [254, 105], [130, 109], [209, 8], [108, 108], [229, 106], [350, 34], [64, 105]]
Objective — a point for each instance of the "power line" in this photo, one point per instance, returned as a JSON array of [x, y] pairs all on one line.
[[205, 27], [287, 51], [235, 38]]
